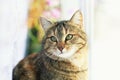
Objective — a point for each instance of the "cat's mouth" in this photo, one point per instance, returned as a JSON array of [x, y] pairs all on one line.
[[63, 54], [54, 56]]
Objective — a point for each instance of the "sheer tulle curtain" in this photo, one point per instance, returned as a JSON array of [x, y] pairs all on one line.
[[13, 31], [106, 46]]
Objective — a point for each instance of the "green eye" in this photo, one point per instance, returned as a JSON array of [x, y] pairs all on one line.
[[69, 37], [53, 38]]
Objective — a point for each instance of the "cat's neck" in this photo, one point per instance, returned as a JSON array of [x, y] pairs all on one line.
[[62, 66]]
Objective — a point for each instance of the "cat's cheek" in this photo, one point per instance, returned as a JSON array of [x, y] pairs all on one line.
[[68, 43], [67, 48], [49, 44]]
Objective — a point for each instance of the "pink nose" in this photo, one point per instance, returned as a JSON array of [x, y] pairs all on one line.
[[60, 48]]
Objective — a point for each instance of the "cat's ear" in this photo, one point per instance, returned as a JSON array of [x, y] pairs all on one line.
[[45, 23], [77, 19]]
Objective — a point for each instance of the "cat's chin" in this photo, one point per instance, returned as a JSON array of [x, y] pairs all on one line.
[[65, 55], [57, 57], [52, 56]]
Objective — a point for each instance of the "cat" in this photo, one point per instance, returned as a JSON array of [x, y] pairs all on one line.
[[63, 55]]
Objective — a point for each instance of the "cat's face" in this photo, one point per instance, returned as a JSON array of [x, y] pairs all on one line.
[[63, 39]]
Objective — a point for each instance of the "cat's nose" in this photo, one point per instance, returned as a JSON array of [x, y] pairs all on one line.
[[61, 46]]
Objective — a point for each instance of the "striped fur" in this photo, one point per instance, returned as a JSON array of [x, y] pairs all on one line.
[[64, 53]]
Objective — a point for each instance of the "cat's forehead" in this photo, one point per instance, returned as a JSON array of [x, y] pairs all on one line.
[[61, 22], [64, 25], [61, 28]]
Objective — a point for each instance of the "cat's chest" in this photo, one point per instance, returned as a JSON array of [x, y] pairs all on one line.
[[48, 72], [54, 75]]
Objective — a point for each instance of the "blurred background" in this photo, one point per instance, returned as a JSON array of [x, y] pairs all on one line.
[[21, 33]]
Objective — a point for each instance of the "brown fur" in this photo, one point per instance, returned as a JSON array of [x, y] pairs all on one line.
[[48, 64]]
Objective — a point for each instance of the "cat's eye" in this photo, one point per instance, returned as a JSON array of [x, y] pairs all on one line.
[[69, 37], [53, 38]]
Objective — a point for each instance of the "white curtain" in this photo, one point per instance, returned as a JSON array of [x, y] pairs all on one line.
[[106, 46], [13, 31]]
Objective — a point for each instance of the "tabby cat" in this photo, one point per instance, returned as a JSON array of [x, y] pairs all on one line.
[[63, 55]]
